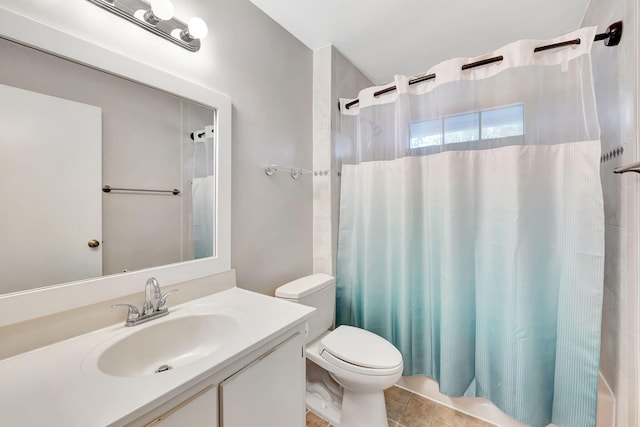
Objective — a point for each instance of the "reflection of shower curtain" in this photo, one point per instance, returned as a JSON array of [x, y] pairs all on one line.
[[202, 195], [472, 229]]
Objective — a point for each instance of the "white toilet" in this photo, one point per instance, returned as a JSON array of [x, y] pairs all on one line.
[[347, 368]]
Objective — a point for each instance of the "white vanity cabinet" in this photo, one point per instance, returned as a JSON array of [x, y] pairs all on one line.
[[249, 371], [267, 387]]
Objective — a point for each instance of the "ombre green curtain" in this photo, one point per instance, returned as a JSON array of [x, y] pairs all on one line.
[[477, 246]]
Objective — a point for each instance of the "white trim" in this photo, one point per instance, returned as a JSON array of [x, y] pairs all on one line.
[[635, 396], [35, 303]]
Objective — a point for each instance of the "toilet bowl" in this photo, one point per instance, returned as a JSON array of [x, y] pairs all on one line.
[[362, 363]]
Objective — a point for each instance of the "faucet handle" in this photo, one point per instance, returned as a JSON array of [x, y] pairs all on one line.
[[163, 299], [133, 313]]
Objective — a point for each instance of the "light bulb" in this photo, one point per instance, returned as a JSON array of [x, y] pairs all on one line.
[[163, 9], [198, 28]]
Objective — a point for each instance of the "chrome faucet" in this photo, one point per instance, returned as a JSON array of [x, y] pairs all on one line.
[[154, 304], [152, 295]]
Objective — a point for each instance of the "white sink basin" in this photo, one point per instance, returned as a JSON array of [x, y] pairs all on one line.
[[169, 344]]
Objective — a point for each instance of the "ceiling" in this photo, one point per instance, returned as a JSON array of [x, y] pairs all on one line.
[[387, 37]]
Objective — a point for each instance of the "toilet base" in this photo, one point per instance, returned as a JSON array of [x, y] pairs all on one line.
[[324, 395], [363, 409], [328, 411], [355, 409]]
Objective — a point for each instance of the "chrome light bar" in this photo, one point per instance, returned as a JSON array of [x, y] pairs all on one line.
[[140, 13]]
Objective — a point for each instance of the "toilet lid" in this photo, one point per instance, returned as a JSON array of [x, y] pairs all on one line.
[[361, 348]]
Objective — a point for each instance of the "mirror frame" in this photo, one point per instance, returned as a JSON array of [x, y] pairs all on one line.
[[30, 304]]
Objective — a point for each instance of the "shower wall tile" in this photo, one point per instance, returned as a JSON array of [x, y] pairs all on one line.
[[631, 275], [610, 338], [615, 242], [631, 184], [622, 395], [322, 160], [613, 191], [633, 419], [322, 245], [631, 333], [322, 264], [322, 192], [613, 185], [614, 81], [615, 74], [322, 108]]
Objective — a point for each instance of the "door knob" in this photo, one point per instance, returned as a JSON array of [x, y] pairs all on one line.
[[93, 243]]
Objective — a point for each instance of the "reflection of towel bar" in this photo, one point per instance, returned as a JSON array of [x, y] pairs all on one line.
[[294, 172], [109, 189]]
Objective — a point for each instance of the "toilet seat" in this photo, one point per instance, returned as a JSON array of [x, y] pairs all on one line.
[[360, 351]]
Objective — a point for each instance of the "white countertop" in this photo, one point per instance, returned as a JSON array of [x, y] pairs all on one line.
[[59, 385]]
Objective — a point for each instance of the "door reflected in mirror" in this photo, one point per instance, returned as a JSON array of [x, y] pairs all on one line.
[[67, 130]]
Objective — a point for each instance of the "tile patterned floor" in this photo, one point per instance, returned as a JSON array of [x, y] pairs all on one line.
[[405, 409]]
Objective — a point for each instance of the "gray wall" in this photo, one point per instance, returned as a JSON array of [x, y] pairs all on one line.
[[615, 74], [268, 75]]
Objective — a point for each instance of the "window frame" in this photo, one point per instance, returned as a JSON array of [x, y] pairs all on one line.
[[479, 143]]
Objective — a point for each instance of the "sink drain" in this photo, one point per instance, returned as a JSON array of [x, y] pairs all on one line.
[[163, 368]]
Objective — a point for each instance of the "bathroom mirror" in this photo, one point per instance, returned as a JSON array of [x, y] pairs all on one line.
[[144, 126], [157, 147]]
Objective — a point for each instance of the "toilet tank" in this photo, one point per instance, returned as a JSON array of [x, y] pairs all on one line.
[[317, 291]]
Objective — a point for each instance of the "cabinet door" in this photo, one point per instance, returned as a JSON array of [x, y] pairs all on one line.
[[268, 392], [197, 411]]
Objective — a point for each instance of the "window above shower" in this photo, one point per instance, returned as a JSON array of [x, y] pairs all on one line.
[[495, 123]]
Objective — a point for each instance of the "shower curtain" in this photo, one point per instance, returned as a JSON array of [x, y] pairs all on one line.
[[202, 191], [471, 228]]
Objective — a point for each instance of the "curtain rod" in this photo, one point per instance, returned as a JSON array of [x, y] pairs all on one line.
[[611, 38]]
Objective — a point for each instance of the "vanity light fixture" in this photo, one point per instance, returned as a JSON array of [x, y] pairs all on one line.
[[157, 17], [161, 10], [196, 29]]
